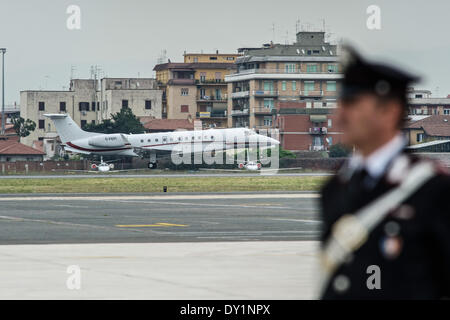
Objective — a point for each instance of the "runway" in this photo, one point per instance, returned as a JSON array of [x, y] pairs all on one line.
[[163, 175], [159, 246], [126, 218]]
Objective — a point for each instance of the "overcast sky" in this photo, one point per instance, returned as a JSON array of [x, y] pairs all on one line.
[[125, 38]]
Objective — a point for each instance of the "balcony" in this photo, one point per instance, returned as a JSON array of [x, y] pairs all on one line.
[[281, 74], [263, 111], [241, 112], [181, 81], [212, 98], [212, 114], [240, 125], [210, 82], [311, 93], [317, 148], [240, 94], [280, 71], [263, 127], [318, 130], [265, 93]]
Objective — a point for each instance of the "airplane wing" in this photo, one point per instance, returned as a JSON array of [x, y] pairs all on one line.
[[70, 170]]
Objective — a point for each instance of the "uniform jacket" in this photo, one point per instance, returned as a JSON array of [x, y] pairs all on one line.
[[411, 245]]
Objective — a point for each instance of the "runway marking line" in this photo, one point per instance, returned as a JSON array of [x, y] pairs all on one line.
[[164, 197], [159, 224]]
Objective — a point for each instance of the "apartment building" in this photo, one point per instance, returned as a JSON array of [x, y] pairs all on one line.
[[86, 102], [195, 88], [306, 128], [421, 102], [305, 71]]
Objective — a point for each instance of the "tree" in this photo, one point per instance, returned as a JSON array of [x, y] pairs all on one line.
[[23, 127], [338, 151], [122, 122]]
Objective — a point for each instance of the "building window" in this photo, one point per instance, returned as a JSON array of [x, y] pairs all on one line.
[[330, 123], [184, 108], [93, 121], [283, 85], [62, 106], [330, 141], [184, 91], [447, 111], [289, 67], [218, 94], [332, 68], [230, 58], [331, 85], [294, 85], [41, 106], [83, 123], [268, 86], [311, 68], [124, 104], [419, 137], [83, 106], [268, 121], [202, 76], [309, 86], [148, 104], [93, 106], [41, 124], [212, 58], [268, 103]]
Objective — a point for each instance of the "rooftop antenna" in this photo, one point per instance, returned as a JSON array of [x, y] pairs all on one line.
[[273, 32], [162, 57], [72, 71], [297, 26]]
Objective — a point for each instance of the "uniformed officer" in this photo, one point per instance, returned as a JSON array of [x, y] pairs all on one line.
[[386, 232]]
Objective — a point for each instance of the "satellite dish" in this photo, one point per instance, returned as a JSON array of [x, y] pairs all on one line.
[[303, 51], [298, 51]]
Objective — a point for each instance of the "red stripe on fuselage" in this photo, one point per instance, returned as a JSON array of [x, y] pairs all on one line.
[[70, 144]]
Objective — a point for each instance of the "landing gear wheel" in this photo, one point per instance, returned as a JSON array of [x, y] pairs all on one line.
[[152, 165]]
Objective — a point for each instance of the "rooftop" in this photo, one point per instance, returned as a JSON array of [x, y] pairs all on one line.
[[166, 124], [192, 66], [12, 147], [435, 125]]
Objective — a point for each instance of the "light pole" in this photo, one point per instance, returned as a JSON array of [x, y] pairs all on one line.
[[3, 50]]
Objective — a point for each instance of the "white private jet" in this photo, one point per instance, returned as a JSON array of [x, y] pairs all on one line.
[[76, 140]]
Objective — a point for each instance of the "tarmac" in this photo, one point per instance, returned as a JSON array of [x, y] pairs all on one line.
[[159, 246], [163, 175]]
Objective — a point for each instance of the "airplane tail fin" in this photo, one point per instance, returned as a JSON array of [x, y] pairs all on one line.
[[67, 129]]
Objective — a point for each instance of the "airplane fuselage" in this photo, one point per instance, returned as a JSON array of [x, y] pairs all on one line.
[[122, 144]]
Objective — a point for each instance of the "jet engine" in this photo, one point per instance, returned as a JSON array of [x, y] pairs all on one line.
[[114, 140]]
